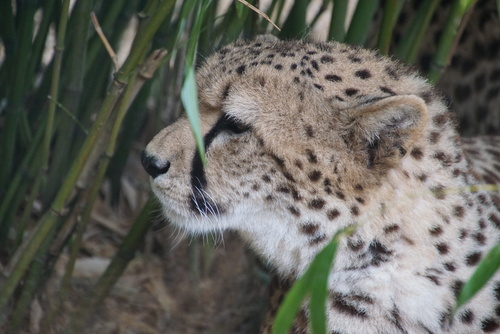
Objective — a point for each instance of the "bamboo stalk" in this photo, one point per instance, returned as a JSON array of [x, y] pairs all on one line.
[[391, 10], [337, 23], [70, 97], [358, 29], [65, 193], [409, 46], [458, 17], [8, 141]]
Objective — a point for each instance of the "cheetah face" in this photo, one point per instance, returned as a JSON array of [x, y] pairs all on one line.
[[284, 157]]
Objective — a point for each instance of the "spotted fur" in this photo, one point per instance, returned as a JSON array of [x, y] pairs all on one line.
[[304, 138]]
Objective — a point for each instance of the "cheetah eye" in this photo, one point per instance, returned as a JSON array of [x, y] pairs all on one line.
[[233, 125]]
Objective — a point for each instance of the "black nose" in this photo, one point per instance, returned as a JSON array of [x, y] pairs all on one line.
[[153, 166]]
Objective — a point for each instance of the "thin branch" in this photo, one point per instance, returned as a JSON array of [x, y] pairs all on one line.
[[104, 40], [258, 11]]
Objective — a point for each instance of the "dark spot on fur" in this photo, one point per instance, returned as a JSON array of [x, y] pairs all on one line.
[[351, 91], [309, 131], [319, 87], [467, 317], [314, 176], [480, 238], [489, 325], [333, 78], [473, 258], [311, 157], [294, 211], [442, 248], [417, 153], [293, 67], [354, 59], [241, 69], [355, 210], [459, 211], [363, 74], [494, 219], [326, 59], [456, 287], [355, 245], [340, 195], [391, 228], [387, 90], [279, 67], [450, 266], [332, 214], [379, 252], [317, 240], [343, 304], [434, 137], [317, 204], [309, 228], [435, 231], [266, 178], [315, 65], [434, 279]]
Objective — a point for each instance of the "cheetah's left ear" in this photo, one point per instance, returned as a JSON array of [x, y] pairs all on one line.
[[382, 131]]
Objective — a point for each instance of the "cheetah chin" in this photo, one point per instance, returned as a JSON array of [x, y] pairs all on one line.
[[305, 138]]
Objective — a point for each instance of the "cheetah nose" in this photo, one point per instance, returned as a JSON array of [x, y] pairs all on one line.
[[153, 166]]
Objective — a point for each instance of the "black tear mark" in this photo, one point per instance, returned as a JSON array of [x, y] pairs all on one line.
[[198, 201]]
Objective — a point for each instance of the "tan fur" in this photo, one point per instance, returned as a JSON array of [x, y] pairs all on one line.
[[304, 138]]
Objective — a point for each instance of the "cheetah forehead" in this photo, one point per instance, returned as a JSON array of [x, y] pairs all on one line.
[[337, 75]]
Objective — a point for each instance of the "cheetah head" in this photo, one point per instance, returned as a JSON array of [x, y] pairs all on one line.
[[299, 139]]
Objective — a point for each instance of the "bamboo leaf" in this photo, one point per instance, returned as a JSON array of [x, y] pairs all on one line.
[[319, 291], [189, 97], [291, 304], [315, 282], [485, 270]]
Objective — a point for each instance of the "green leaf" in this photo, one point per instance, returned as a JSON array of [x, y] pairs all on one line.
[[189, 94], [189, 98], [486, 269], [240, 8], [320, 268], [315, 282], [291, 304], [337, 23]]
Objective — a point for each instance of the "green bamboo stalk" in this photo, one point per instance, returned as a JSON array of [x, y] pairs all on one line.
[[39, 42], [50, 217], [17, 186], [8, 141], [70, 96], [86, 202], [391, 10], [33, 280], [360, 23], [321, 10], [337, 22], [8, 37], [295, 25], [459, 14], [407, 50], [115, 269]]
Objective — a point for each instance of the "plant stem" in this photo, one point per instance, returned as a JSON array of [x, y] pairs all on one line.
[[391, 9], [358, 29], [73, 178], [337, 23], [409, 46], [459, 14]]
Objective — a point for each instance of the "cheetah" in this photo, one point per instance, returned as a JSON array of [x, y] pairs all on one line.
[[304, 138]]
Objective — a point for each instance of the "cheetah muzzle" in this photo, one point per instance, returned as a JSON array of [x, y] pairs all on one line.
[[305, 138]]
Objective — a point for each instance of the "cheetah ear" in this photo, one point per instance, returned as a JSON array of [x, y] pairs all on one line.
[[381, 132]]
